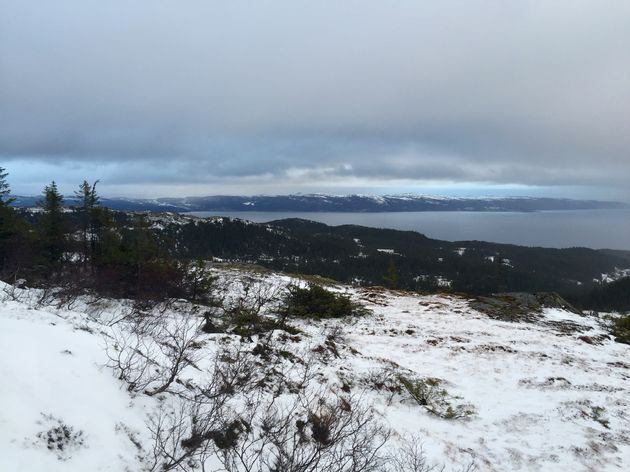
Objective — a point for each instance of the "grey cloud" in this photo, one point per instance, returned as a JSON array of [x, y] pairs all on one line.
[[491, 92]]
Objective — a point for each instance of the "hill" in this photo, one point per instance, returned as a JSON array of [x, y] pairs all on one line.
[[366, 256], [339, 203], [419, 379], [153, 246]]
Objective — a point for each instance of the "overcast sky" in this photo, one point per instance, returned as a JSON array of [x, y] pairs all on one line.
[[189, 97]]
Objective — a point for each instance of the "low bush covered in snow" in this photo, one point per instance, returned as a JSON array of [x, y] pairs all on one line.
[[314, 301], [431, 395], [60, 438], [621, 329]]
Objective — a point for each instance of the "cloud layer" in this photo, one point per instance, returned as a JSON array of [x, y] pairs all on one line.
[[288, 93]]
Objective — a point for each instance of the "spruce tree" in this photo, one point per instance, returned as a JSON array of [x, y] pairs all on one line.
[[7, 219], [107, 243], [52, 226], [392, 275], [17, 246], [88, 216], [5, 190]]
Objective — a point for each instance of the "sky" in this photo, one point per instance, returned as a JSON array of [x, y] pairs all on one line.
[[202, 97]]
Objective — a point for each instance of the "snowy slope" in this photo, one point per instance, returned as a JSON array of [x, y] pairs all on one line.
[[549, 395], [52, 370], [534, 387]]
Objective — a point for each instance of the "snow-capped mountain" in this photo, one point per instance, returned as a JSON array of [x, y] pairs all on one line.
[[342, 203]]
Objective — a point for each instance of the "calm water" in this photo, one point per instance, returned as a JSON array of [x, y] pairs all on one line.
[[589, 228]]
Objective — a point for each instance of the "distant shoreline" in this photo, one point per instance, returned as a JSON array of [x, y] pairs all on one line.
[[343, 204], [595, 228]]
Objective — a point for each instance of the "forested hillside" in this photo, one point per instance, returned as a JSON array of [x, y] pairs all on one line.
[[342, 203], [129, 253]]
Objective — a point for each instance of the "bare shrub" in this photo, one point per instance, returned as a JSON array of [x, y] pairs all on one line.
[[244, 312], [250, 416], [336, 435], [151, 358], [190, 428], [306, 435], [131, 356], [14, 291], [410, 457]]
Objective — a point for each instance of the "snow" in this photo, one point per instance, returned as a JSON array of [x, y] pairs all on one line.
[[502, 369], [51, 366], [443, 281], [613, 276], [543, 398]]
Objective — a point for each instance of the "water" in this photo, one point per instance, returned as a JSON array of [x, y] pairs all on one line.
[[588, 228]]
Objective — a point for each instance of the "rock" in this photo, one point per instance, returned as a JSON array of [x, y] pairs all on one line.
[[520, 306]]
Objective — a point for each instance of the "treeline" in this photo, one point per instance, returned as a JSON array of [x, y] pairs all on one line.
[[88, 249], [614, 296], [123, 254], [426, 264]]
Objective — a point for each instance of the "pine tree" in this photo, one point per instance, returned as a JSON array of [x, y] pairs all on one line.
[[17, 253], [107, 241], [143, 244], [199, 282], [89, 216], [52, 226], [5, 190], [392, 275], [7, 220]]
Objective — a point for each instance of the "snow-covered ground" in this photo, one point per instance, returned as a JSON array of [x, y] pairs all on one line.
[[613, 276], [553, 395], [52, 374]]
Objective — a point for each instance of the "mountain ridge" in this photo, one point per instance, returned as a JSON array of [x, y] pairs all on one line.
[[341, 203]]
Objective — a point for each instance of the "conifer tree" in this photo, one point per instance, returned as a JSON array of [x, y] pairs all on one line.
[[107, 242], [89, 216], [5, 190], [392, 275], [52, 226], [143, 245], [7, 219], [199, 282], [17, 255]]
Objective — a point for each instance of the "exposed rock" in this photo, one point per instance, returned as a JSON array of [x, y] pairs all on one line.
[[520, 306]]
